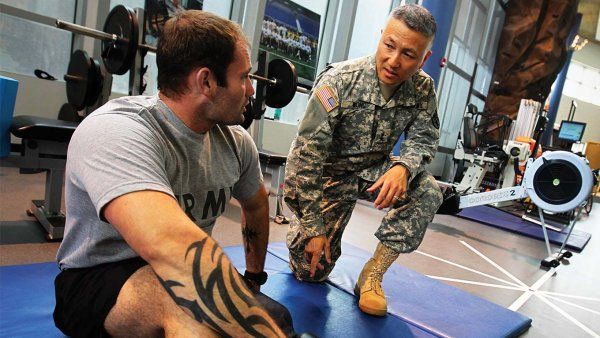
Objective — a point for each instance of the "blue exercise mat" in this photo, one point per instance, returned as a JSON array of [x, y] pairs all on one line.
[[326, 311], [507, 221], [27, 302], [320, 308], [435, 307]]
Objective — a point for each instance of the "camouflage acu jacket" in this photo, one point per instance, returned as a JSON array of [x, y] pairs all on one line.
[[350, 129]]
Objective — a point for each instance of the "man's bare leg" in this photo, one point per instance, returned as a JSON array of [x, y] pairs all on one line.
[[144, 309]]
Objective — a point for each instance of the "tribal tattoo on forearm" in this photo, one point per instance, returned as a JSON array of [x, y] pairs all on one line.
[[222, 300], [249, 235]]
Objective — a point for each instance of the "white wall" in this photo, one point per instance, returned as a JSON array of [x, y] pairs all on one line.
[[589, 54], [38, 97], [586, 112], [278, 136]]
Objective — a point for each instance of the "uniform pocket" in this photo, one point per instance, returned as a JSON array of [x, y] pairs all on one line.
[[353, 134]]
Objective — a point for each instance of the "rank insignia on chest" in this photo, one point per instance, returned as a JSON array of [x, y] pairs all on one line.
[[325, 95]]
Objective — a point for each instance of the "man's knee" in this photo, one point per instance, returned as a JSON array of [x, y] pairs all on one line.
[[403, 229], [303, 274], [430, 197], [434, 198], [301, 269]]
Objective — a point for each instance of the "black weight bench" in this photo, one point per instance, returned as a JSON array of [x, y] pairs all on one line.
[[43, 147], [274, 165]]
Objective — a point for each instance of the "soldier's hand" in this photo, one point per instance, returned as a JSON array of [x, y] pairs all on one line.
[[393, 187], [313, 251]]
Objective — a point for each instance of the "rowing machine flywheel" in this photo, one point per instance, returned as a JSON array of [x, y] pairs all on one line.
[[558, 181]]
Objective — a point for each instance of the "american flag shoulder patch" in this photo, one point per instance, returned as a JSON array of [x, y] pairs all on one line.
[[325, 95]]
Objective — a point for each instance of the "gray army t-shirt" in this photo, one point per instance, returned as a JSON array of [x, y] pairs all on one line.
[[137, 143]]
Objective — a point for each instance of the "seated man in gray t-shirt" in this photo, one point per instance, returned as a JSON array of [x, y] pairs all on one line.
[[146, 179]]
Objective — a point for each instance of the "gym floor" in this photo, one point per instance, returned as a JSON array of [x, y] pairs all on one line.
[[493, 264]]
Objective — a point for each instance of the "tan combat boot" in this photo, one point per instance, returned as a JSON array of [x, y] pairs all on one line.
[[371, 298]]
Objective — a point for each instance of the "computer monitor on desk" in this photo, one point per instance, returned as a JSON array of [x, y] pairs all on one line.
[[571, 131]]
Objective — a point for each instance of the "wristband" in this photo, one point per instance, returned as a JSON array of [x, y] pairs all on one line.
[[259, 278]]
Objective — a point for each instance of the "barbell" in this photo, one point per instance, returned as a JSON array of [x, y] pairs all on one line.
[[119, 47], [119, 38]]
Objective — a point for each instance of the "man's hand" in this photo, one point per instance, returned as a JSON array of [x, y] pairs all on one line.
[[313, 251], [393, 186]]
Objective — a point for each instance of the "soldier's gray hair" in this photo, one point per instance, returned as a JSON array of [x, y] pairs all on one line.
[[416, 18]]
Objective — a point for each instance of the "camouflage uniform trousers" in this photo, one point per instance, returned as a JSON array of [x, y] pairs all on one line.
[[402, 228]]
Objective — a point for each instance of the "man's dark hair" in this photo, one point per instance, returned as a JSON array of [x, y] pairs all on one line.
[[416, 18], [193, 39]]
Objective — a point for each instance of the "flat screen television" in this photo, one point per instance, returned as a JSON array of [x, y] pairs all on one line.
[[571, 131], [291, 31]]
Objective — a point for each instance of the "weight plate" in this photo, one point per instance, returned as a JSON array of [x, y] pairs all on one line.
[[80, 77], [119, 56], [68, 113], [248, 118], [282, 93], [96, 83]]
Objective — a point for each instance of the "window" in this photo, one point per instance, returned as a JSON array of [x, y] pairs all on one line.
[[371, 17], [28, 44], [129, 3], [474, 40], [452, 98], [468, 35], [60, 9], [219, 7], [583, 83]]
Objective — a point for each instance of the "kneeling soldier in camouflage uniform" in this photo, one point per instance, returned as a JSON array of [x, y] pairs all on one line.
[[354, 117]]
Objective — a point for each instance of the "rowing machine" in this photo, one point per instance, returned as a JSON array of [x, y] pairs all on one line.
[[556, 182]]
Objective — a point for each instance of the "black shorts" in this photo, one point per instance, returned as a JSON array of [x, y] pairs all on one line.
[[85, 296]]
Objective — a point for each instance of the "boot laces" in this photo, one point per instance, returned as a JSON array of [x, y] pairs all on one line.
[[375, 278], [376, 274], [376, 287]]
